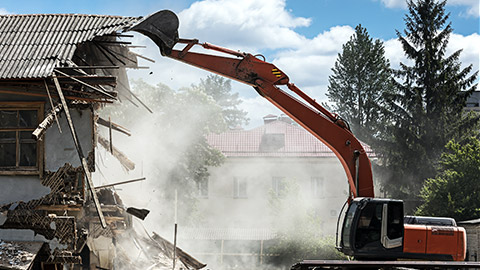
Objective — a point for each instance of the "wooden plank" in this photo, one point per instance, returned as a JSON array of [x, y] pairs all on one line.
[[36, 94], [90, 67], [121, 183], [126, 163], [47, 122], [85, 84], [53, 107], [80, 152], [116, 127]]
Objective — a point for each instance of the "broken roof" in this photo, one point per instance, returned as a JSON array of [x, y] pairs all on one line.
[[31, 46], [274, 139]]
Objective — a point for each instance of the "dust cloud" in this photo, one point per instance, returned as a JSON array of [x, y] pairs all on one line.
[[295, 214]]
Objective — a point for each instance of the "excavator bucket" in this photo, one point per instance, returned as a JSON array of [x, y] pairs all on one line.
[[161, 27]]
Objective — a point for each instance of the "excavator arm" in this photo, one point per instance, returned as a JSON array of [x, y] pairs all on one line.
[[266, 78]]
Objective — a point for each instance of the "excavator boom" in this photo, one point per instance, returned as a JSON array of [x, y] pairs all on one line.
[[266, 79], [373, 228]]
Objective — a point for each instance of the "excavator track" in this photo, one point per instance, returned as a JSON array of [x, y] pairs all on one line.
[[341, 264]]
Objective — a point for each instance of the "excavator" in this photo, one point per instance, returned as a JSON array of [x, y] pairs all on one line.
[[374, 230]]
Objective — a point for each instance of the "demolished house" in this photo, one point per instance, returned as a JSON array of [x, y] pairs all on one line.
[[56, 72]]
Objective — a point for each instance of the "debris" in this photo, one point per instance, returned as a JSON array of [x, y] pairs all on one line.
[[139, 213], [116, 127], [126, 163], [18, 255], [47, 122], [80, 152], [121, 183]]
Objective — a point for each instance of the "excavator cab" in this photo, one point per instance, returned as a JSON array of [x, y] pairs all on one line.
[[373, 228]]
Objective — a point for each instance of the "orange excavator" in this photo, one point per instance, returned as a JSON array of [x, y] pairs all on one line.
[[373, 228]]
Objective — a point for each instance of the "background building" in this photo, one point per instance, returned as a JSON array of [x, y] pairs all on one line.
[[262, 164]]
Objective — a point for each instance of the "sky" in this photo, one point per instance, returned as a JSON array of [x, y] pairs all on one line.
[[301, 37]]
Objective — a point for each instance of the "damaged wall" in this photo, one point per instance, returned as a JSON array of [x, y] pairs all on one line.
[[58, 149]]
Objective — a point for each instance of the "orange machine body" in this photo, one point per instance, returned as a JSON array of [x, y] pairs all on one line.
[[420, 240]]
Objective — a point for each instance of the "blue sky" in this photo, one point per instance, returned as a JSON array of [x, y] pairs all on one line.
[[302, 37]]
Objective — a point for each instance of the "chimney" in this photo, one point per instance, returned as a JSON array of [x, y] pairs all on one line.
[[269, 119], [285, 119]]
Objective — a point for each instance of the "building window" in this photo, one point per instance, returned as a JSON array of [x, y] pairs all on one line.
[[317, 187], [279, 185], [239, 187], [202, 188], [19, 152]]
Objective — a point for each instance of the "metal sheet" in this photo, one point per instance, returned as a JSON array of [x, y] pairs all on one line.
[[30, 45]]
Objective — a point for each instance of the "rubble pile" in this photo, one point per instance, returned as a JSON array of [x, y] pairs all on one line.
[[18, 255]]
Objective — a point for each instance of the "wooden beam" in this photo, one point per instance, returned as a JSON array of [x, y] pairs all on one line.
[[126, 163], [38, 133], [110, 134], [80, 152], [36, 94], [121, 183], [116, 127], [96, 80], [51, 105], [90, 67], [86, 84]]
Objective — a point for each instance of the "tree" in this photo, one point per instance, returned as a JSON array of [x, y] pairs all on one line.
[[361, 76], [455, 191], [172, 141], [427, 107], [220, 89]]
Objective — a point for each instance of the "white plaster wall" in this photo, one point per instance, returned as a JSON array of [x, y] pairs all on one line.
[[21, 188], [59, 147], [220, 209]]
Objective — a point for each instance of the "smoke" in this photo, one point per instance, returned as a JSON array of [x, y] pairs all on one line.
[[281, 201]]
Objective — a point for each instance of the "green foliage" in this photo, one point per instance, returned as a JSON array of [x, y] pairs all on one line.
[[299, 236], [220, 89], [427, 108], [455, 191], [361, 76], [176, 152]]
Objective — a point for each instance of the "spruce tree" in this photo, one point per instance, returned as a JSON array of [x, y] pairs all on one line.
[[427, 108], [360, 78]]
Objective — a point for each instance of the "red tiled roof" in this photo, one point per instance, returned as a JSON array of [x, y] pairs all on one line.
[[274, 139]]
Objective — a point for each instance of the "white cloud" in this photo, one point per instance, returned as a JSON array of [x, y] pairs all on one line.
[[307, 62], [472, 5], [470, 50], [3, 11], [395, 3], [249, 25]]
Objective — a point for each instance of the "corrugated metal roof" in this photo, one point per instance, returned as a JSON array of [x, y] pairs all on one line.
[[291, 141], [31, 46]]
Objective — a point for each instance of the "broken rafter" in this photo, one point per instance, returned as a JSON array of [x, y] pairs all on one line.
[[143, 57], [126, 163], [51, 105], [86, 84], [36, 94], [104, 51], [116, 127], [80, 152], [90, 67], [97, 80], [121, 183], [114, 42], [37, 134]]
